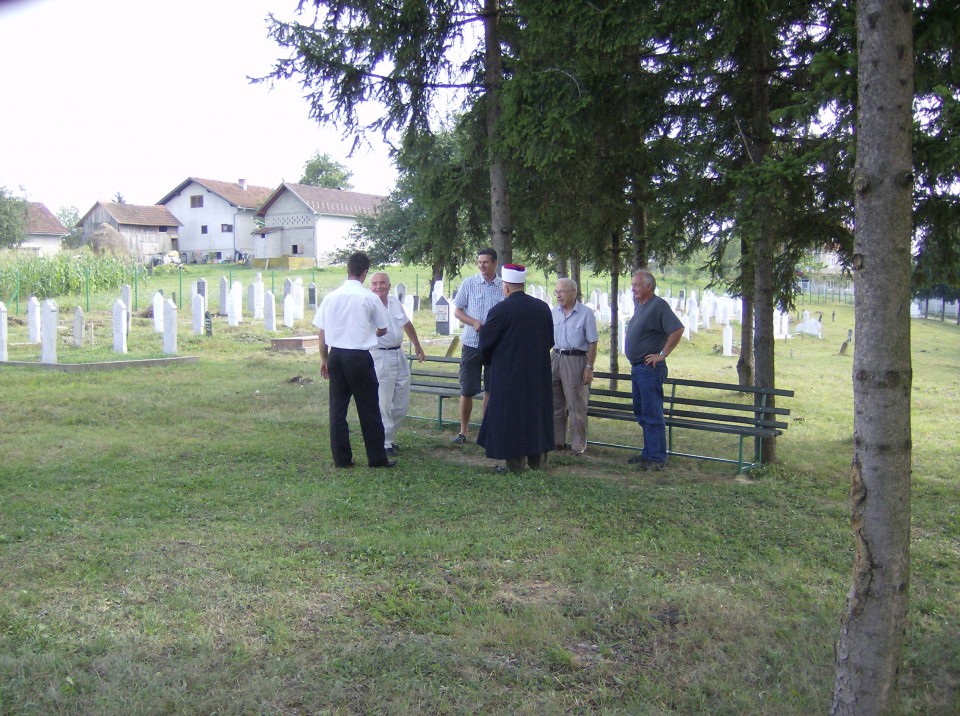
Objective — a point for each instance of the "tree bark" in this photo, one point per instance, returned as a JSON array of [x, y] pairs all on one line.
[[501, 228], [614, 305], [764, 348], [745, 362], [870, 647]]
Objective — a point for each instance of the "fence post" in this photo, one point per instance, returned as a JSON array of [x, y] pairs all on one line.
[[86, 272]]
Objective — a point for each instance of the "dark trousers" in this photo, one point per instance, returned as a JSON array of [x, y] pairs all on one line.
[[352, 375]]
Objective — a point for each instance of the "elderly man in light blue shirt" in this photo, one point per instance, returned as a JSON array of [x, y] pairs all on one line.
[[574, 352]]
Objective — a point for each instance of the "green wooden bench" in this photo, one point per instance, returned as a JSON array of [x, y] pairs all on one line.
[[439, 376], [696, 405]]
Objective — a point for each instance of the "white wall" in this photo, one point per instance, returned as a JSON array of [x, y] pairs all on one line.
[[215, 212]]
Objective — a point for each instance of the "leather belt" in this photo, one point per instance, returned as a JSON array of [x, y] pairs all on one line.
[[391, 348], [572, 352]]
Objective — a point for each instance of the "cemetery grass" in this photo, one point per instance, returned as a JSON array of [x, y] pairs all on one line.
[[176, 540]]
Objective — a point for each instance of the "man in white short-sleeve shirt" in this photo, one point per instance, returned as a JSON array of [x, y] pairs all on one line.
[[349, 320]]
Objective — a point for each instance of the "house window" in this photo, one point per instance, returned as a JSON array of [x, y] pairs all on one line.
[[196, 201], [163, 229], [203, 229], [219, 255], [226, 228], [296, 249]]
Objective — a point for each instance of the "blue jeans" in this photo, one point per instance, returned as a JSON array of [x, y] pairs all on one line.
[[647, 384]]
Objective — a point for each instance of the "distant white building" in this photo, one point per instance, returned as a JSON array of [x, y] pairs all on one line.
[[217, 217], [302, 221], [44, 231]]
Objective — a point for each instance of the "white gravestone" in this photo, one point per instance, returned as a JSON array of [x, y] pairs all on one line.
[[435, 294], [170, 328], [119, 327], [269, 312], [224, 292], [288, 310], [258, 289], [199, 307], [126, 295], [297, 293], [3, 332], [685, 320], [400, 292], [408, 305], [49, 322], [78, 326], [158, 304], [33, 320], [287, 286], [235, 305], [728, 340]]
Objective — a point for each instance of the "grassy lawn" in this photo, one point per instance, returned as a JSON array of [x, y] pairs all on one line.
[[176, 540]]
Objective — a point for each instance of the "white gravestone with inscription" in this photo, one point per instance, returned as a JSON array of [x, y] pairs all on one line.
[[297, 293], [170, 328], [33, 320], [234, 303], [119, 327], [288, 310], [224, 292], [49, 322], [269, 312], [199, 308], [78, 326], [158, 304], [126, 295]]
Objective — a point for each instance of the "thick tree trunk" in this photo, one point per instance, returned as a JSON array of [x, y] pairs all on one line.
[[763, 343], [501, 228], [614, 307], [575, 275], [562, 270], [870, 646], [745, 362], [638, 234]]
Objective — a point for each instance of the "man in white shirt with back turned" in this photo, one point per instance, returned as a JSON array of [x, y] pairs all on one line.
[[349, 320]]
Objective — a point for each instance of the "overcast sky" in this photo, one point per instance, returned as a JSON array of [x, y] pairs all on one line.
[[107, 96]]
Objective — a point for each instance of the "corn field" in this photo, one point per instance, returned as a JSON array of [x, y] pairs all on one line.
[[60, 275]]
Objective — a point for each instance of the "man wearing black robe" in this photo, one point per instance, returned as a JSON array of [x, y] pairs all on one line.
[[515, 343]]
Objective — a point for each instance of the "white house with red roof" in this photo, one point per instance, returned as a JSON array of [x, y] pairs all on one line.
[[303, 221], [150, 231], [44, 231], [217, 217]]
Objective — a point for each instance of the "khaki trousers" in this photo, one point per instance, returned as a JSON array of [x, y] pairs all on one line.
[[569, 400]]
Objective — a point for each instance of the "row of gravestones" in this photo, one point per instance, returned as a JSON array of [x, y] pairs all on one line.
[[43, 324]]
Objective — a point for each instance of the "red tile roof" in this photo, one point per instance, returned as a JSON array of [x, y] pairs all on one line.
[[327, 201], [231, 192], [40, 220]]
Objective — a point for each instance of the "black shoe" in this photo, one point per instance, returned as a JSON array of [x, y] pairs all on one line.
[[392, 451], [388, 463], [461, 439], [395, 448], [637, 460], [347, 466]]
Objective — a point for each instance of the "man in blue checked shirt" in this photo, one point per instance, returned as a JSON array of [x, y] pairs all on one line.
[[474, 299]]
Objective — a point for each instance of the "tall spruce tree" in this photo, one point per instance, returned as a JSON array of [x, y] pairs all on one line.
[[408, 57], [870, 646]]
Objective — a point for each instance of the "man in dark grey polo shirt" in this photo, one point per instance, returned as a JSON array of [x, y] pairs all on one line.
[[653, 332]]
